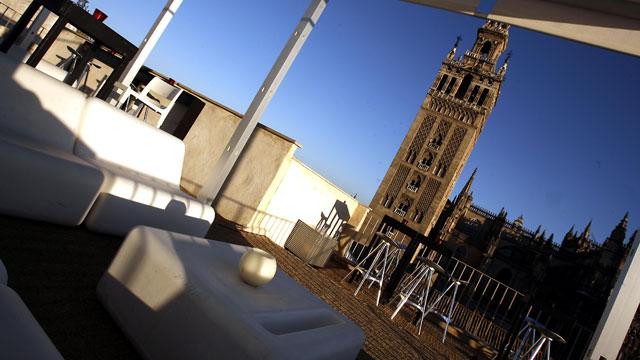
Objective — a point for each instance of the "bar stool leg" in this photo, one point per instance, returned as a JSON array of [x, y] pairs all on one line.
[[549, 349], [384, 266], [453, 300], [373, 265], [407, 281], [523, 341], [424, 299], [404, 297], [359, 265], [537, 348]]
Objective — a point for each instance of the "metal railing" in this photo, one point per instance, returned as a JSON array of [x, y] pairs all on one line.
[[412, 188], [486, 308], [400, 212]]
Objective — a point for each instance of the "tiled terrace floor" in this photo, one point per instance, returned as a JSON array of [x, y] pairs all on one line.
[[385, 339], [55, 269]]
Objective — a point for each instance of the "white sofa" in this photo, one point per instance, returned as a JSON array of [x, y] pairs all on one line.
[[62, 153], [21, 337], [142, 175], [181, 297], [40, 177]]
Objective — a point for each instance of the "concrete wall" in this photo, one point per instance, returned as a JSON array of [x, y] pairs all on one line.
[[204, 143], [303, 194], [257, 173], [268, 190]]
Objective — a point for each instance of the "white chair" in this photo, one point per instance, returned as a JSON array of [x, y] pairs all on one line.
[[158, 88]]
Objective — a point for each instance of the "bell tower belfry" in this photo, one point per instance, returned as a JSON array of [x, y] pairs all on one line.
[[448, 123]]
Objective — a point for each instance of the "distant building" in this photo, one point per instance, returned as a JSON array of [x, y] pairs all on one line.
[[445, 130], [570, 283], [520, 257]]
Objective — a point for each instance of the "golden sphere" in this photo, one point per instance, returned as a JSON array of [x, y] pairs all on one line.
[[257, 267]]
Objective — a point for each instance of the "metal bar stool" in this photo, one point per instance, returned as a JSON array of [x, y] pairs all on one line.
[[453, 286], [416, 291], [383, 255], [533, 337]]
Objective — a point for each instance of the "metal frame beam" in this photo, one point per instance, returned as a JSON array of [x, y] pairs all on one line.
[[219, 173]]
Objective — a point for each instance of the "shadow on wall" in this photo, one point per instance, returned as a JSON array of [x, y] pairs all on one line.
[[331, 225], [278, 228]]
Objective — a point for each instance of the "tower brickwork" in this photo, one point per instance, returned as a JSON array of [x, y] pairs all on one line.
[[445, 130]]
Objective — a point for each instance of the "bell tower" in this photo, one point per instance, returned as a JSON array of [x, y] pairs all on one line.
[[448, 123]]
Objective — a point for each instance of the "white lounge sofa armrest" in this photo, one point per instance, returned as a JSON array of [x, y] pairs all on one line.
[[21, 337], [111, 135]]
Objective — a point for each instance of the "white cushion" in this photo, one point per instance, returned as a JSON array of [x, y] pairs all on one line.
[[45, 183], [36, 106], [181, 297], [111, 135], [21, 337], [130, 198], [52, 70], [4, 277]]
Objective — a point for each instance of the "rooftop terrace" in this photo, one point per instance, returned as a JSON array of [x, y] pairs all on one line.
[[55, 269]]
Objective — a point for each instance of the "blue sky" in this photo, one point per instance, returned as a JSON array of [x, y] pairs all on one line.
[[561, 146]]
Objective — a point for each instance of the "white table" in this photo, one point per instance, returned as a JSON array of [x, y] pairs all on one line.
[[181, 297]]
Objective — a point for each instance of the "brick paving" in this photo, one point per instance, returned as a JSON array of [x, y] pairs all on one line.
[[55, 270], [385, 339]]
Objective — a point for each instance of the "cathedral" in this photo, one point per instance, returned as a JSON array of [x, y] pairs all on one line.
[[571, 280], [578, 269]]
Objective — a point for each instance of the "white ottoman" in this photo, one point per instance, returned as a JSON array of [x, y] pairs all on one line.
[[181, 297], [21, 337]]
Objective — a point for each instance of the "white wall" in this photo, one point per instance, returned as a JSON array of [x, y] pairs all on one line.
[[303, 194]]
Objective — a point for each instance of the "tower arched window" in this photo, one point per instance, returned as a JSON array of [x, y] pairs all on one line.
[[426, 161], [403, 207], [415, 183], [417, 217], [440, 170], [436, 142], [387, 201], [483, 97], [411, 156], [474, 93], [443, 80], [452, 83], [485, 50], [464, 86]]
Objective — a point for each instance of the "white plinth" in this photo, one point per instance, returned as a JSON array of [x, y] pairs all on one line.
[[181, 297]]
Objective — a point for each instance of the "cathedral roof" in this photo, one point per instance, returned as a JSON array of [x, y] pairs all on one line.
[[519, 221]]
